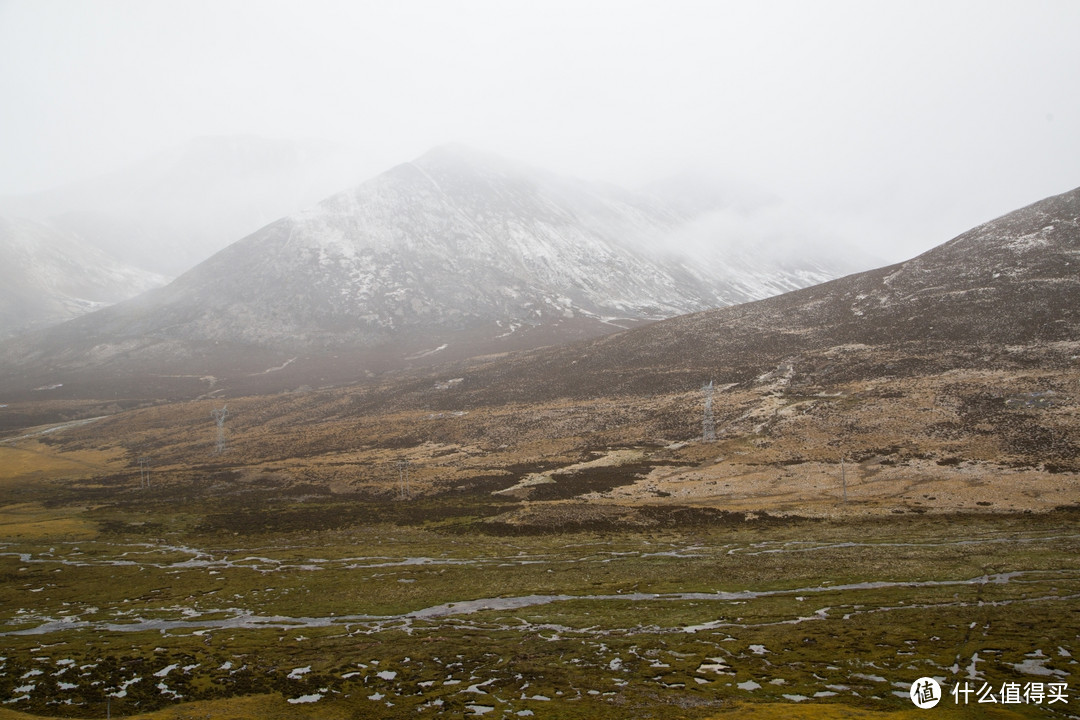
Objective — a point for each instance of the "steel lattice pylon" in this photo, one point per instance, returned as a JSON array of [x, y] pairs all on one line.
[[219, 416], [708, 425]]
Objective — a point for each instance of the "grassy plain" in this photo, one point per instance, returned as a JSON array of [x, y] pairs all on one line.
[[168, 616], [568, 558]]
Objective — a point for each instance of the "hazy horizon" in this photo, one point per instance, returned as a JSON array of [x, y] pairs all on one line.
[[894, 127]]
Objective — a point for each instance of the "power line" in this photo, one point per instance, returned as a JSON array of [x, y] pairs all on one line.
[[708, 425], [219, 416]]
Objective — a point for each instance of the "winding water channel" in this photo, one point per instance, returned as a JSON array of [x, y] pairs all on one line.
[[164, 557], [240, 619]]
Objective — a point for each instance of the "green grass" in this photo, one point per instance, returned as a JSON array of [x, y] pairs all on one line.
[[596, 655]]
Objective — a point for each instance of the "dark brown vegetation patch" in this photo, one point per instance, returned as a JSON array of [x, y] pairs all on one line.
[[587, 480], [570, 518], [274, 516]]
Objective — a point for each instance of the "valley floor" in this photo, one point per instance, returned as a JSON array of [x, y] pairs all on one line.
[[411, 549], [398, 620]]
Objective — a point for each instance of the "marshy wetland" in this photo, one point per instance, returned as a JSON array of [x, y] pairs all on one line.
[[133, 610], [567, 558]]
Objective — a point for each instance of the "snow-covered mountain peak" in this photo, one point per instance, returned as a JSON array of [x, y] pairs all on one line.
[[456, 249], [458, 159], [475, 214]]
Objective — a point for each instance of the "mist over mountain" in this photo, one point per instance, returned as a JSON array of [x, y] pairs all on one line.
[[175, 209], [989, 298], [456, 254], [48, 275]]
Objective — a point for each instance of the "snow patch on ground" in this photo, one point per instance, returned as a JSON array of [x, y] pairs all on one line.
[[314, 697], [427, 353]]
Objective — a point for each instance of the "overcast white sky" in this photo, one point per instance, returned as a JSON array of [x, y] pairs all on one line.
[[901, 123]]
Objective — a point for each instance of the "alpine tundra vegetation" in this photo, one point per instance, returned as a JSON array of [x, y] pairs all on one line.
[[891, 494]]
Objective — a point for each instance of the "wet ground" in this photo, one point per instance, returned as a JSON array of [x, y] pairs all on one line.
[[393, 621]]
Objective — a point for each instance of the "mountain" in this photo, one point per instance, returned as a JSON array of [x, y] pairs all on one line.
[[48, 275], [946, 384], [177, 208], [453, 255], [974, 301]]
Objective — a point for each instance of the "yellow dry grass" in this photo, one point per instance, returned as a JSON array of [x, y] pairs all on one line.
[[265, 707], [815, 489], [274, 707], [33, 521], [838, 711], [31, 459]]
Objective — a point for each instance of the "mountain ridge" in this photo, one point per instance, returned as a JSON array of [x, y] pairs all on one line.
[[455, 254], [943, 384], [1010, 280], [49, 275]]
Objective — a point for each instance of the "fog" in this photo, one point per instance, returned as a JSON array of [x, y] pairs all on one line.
[[891, 125]]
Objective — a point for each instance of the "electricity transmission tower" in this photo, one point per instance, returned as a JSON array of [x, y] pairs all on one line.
[[219, 416], [708, 425], [144, 471], [403, 478]]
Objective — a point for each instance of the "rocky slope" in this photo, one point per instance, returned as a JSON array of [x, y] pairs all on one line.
[[453, 255], [945, 384], [1012, 282]]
